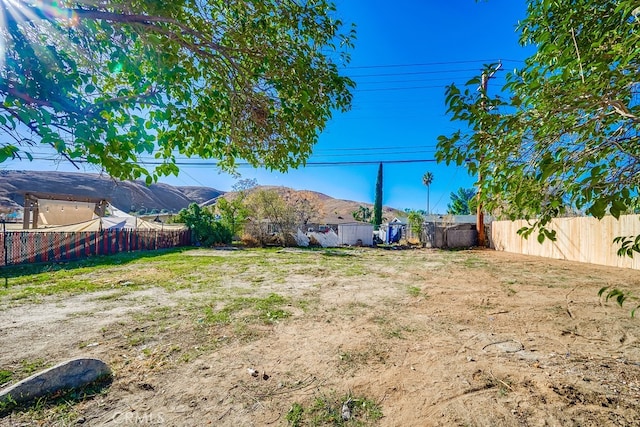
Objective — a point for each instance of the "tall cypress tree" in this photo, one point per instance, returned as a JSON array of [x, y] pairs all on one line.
[[377, 206]]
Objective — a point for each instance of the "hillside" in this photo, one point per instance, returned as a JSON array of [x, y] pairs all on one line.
[[200, 195], [331, 210], [135, 195], [125, 195]]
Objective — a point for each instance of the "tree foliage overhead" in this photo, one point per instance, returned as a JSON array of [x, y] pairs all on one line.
[[567, 130], [107, 82]]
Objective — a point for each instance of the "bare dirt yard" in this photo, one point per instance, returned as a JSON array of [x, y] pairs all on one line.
[[299, 337]]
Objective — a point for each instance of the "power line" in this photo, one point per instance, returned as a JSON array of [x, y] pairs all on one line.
[[437, 79], [396, 88], [368, 104], [398, 153], [307, 164], [387, 89], [192, 178], [427, 64], [320, 152], [406, 81], [367, 162], [406, 147], [412, 73]]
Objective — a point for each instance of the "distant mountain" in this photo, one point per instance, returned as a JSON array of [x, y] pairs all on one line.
[[200, 195], [125, 195], [133, 196], [331, 211]]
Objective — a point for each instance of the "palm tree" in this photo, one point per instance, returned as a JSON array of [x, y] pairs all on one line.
[[427, 179]]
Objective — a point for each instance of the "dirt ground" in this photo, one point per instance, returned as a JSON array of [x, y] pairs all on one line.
[[434, 338]]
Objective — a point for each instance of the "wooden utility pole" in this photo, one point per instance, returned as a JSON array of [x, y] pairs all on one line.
[[482, 240]]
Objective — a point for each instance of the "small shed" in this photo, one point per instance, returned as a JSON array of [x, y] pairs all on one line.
[[393, 231], [355, 233], [396, 230]]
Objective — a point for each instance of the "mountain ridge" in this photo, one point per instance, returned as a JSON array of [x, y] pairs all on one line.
[[134, 196], [128, 196]]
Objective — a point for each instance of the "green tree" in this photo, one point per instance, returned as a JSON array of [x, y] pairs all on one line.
[[269, 214], [377, 203], [362, 214], [233, 212], [205, 230], [427, 179], [420, 211], [109, 82], [244, 185], [566, 131], [463, 202], [416, 222]]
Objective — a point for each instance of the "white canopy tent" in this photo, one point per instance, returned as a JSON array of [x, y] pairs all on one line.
[[115, 220]]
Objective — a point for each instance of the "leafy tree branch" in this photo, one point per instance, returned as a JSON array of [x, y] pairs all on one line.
[[563, 134], [111, 82]]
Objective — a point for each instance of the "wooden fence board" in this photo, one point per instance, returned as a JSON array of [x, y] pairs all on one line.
[[583, 239]]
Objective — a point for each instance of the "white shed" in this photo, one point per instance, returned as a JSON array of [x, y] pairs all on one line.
[[355, 233]]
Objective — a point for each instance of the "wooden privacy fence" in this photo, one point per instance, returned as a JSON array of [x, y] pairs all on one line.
[[22, 247], [583, 239]]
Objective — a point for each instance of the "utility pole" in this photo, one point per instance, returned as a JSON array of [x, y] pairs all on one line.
[[482, 240]]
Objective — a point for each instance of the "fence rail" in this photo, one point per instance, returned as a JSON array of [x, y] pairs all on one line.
[[583, 239], [22, 247]]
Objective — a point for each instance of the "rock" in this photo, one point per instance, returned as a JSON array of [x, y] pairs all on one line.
[[75, 373], [527, 355], [346, 410], [507, 346]]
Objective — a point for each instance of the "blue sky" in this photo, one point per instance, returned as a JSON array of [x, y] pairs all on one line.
[[406, 52]]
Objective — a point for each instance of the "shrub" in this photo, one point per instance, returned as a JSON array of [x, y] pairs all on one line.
[[250, 241], [206, 231]]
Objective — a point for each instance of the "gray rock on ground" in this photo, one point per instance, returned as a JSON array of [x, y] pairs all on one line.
[[72, 374]]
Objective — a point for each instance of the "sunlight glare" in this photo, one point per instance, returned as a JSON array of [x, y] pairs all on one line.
[[15, 11], [23, 13]]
